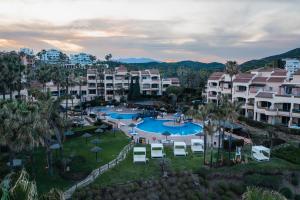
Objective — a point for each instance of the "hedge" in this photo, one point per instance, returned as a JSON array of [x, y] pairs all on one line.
[[286, 192], [263, 180], [263, 125], [289, 153]]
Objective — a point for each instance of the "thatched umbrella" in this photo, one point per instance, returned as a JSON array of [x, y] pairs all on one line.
[[86, 136], [132, 125], [96, 141], [99, 131], [95, 150], [166, 133], [55, 146], [103, 126]]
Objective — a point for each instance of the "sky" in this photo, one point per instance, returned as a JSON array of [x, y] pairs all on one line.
[[165, 30]]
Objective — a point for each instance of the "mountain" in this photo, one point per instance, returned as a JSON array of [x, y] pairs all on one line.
[[136, 60], [253, 64]]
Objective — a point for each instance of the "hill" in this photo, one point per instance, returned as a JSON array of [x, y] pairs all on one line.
[[253, 64], [136, 60]]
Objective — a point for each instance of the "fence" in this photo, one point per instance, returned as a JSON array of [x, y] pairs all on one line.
[[97, 172]]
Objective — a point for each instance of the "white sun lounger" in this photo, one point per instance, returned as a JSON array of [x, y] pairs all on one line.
[[139, 154], [197, 145], [261, 153], [180, 149], [157, 150]]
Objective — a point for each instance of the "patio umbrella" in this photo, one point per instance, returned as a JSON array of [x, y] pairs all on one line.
[[95, 150], [68, 133], [132, 125], [103, 126], [55, 146], [166, 133], [98, 131], [86, 136], [96, 141]]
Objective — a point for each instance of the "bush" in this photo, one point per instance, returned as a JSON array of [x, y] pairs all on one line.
[[238, 189], [289, 153], [269, 181], [286, 192], [295, 179], [297, 197]]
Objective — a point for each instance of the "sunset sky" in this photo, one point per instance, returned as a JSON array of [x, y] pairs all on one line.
[[166, 30]]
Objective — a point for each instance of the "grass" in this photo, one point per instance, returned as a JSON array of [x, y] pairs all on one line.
[[128, 171], [111, 146]]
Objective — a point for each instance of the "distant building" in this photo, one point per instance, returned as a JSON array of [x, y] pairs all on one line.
[[81, 59], [291, 66], [52, 56], [27, 51]]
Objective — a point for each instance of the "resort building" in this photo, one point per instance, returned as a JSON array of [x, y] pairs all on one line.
[[81, 59], [266, 95], [114, 83], [27, 51], [291, 66], [51, 56]]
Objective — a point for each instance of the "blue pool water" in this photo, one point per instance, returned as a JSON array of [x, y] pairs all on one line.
[[122, 115], [157, 126]]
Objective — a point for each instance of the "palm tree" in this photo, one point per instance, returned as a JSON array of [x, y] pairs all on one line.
[[24, 189], [57, 77], [17, 120], [231, 68], [204, 112], [254, 193], [43, 75], [219, 114], [232, 113], [210, 130], [51, 124]]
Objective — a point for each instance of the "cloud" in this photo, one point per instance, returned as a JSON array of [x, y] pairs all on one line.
[[163, 30], [65, 46]]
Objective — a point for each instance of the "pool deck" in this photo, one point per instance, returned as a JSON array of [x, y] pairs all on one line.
[[150, 137]]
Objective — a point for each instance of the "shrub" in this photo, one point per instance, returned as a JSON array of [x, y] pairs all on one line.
[[238, 189], [289, 153], [295, 179], [297, 197], [268, 181], [286, 192]]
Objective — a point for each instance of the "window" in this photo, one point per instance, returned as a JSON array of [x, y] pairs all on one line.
[[92, 91]]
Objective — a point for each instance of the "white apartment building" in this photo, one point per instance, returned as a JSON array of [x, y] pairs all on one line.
[[27, 51], [81, 59], [266, 94], [114, 83], [50, 56], [291, 66]]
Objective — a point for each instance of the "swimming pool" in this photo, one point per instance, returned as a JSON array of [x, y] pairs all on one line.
[[157, 126], [116, 115]]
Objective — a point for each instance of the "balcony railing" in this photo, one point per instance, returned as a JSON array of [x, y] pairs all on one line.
[[296, 110]]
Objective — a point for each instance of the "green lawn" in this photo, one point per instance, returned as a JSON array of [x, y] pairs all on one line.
[[111, 146], [128, 171]]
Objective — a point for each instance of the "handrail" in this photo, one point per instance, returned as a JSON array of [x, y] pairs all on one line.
[[98, 171]]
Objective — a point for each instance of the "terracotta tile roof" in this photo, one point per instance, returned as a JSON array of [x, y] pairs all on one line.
[[259, 80], [216, 76], [144, 72], [276, 79], [279, 72], [264, 95], [243, 78], [154, 71]]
